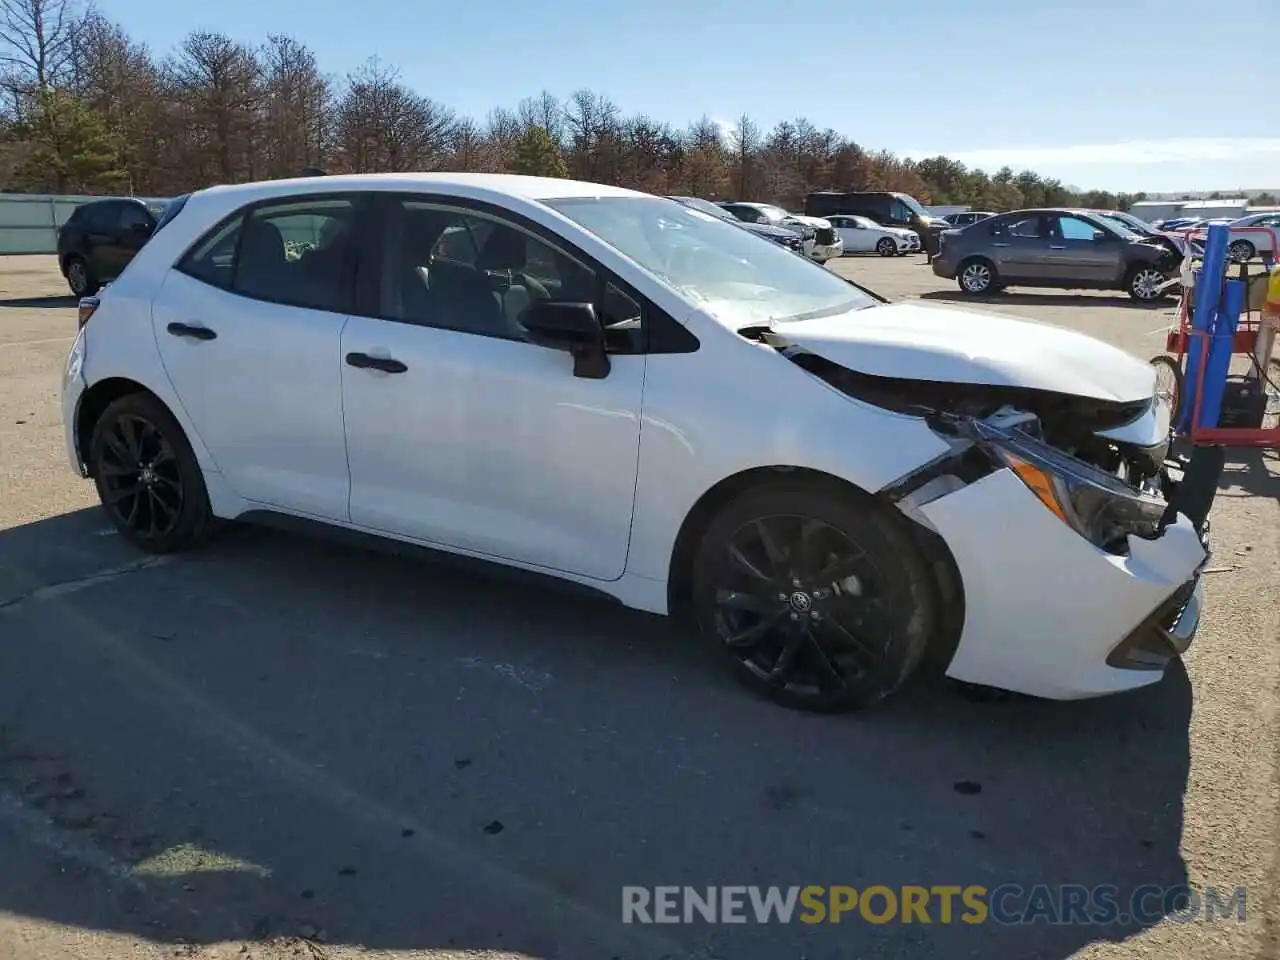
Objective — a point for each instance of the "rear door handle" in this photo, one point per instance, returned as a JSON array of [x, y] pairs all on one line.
[[1000, 244], [193, 331], [366, 362], [1057, 248]]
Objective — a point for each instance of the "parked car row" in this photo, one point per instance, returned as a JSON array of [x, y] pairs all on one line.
[[1247, 239], [826, 243]]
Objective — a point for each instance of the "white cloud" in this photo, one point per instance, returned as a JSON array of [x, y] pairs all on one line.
[[1126, 153]]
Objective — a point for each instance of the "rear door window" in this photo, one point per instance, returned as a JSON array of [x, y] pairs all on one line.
[[103, 217], [130, 216], [302, 252]]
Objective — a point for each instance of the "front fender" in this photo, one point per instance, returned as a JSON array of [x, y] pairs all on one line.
[[759, 410]]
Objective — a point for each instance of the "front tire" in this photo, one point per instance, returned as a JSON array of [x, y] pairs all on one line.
[[1144, 283], [818, 597], [80, 278], [147, 476], [977, 277], [886, 247]]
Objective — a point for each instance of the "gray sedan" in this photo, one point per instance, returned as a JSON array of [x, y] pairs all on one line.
[[1072, 249]]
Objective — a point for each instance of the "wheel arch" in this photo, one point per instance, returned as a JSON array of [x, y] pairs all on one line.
[[95, 401], [938, 556]]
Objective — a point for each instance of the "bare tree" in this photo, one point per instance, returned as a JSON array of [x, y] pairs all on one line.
[[37, 44], [296, 108], [745, 142], [594, 136], [118, 81], [545, 111], [215, 83], [502, 130], [704, 166], [383, 126]]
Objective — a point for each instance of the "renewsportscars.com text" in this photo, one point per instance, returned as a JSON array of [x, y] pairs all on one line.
[[1008, 904]]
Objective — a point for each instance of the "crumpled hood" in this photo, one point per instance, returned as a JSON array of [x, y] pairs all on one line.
[[817, 222], [919, 341]]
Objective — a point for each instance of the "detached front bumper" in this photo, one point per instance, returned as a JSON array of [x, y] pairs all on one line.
[[1050, 615], [822, 252]]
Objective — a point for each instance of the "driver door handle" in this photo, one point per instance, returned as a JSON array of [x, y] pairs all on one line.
[[1053, 247], [386, 364], [999, 244], [194, 331]]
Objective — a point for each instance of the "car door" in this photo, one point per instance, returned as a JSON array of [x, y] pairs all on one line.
[[1082, 252], [459, 432], [1019, 245], [846, 230], [249, 326]]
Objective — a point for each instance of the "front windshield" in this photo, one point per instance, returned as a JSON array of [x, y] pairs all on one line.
[[773, 213], [706, 206], [914, 206], [1130, 221], [1119, 226], [739, 279]]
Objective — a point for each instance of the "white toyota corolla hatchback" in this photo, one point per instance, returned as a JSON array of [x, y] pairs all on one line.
[[610, 388]]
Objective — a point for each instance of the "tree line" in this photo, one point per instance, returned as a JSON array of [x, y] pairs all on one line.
[[87, 109]]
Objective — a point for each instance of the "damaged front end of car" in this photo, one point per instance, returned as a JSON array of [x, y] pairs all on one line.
[[1102, 560]]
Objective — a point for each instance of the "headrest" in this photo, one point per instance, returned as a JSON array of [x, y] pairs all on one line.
[[506, 249]]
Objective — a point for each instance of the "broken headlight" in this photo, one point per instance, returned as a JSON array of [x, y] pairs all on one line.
[[1098, 505]]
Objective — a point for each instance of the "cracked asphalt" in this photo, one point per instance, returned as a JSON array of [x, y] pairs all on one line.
[[279, 747]]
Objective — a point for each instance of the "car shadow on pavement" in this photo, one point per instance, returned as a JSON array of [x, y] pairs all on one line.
[[275, 736], [58, 301], [1089, 299]]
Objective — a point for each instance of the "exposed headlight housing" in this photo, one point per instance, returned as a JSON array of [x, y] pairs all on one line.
[[1099, 506]]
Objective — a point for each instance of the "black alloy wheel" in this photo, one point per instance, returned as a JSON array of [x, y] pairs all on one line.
[[140, 474], [148, 479], [821, 609]]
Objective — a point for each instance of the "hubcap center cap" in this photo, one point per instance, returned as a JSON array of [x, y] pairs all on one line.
[[800, 602]]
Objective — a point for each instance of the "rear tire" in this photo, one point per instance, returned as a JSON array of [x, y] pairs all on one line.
[[1241, 251], [977, 277], [818, 597], [80, 278], [148, 479]]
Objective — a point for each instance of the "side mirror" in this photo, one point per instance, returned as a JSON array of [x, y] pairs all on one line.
[[572, 327], [1101, 236]]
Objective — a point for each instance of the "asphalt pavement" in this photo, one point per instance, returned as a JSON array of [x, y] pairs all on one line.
[[281, 746]]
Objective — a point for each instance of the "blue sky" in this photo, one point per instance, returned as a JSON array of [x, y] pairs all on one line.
[[1099, 93]]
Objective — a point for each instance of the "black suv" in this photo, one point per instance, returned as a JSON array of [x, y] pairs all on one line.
[[100, 238], [884, 207]]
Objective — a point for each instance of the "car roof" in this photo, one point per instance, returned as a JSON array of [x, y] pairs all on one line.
[[496, 185]]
